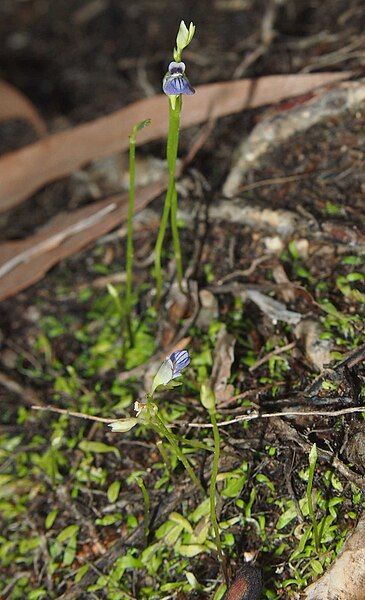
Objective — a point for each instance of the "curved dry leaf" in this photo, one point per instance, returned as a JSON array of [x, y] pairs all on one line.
[[28, 169], [345, 579], [14, 105], [223, 358], [276, 311], [25, 262]]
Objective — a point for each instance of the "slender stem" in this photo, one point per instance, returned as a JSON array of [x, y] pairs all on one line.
[[130, 250], [164, 455], [312, 466], [170, 202], [173, 443], [147, 505], [71, 413], [213, 483], [176, 238]]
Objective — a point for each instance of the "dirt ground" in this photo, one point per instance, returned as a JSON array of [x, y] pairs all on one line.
[[59, 339]]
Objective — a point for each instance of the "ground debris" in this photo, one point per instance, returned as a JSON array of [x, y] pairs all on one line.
[[222, 362], [275, 310], [317, 350]]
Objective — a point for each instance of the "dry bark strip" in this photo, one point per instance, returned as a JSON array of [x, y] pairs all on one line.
[[25, 262], [274, 130], [28, 169], [14, 105]]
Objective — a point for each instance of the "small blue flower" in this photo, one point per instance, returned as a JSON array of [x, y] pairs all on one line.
[[171, 368], [179, 360], [175, 82]]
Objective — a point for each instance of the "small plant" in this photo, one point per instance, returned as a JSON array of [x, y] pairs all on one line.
[[175, 84], [148, 413]]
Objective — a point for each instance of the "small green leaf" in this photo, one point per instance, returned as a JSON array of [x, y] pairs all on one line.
[[108, 519], [317, 567], [70, 552], [98, 447], [67, 533], [50, 518], [190, 550], [180, 520], [81, 572], [113, 491], [193, 582], [288, 516]]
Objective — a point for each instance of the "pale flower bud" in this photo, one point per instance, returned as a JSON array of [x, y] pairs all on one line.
[[123, 425], [207, 397]]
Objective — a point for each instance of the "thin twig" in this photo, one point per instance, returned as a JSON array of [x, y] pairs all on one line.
[[276, 352], [293, 413], [71, 413]]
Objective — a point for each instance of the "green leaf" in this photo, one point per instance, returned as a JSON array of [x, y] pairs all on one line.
[[50, 518], [173, 535], [98, 447], [70, 551], [286, 517], [81, 572], [317, 567], [108, 519], [234, 486], [180, 520], [219, 593], [113, 491], [190, 550], [67, 533], [201, 510]]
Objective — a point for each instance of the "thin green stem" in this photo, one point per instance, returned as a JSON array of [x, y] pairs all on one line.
[[147, 506], [176, 239], [130, 249], [213, 484], [165, 458], [173, 443], [312, 466], [170, 200]]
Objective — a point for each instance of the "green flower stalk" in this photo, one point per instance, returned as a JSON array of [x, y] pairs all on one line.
[[175, 84], [148, 413], [128, 299], [207, 399], [313, 455]]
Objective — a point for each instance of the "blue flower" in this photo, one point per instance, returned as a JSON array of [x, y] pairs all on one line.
[[171, 368], [179, 360], [175, 82]]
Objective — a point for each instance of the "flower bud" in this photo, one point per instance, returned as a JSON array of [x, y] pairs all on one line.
[[123, 425], [183, 39], [207, 397]]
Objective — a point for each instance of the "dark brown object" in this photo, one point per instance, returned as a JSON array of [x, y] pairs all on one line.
[[247, 584]]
